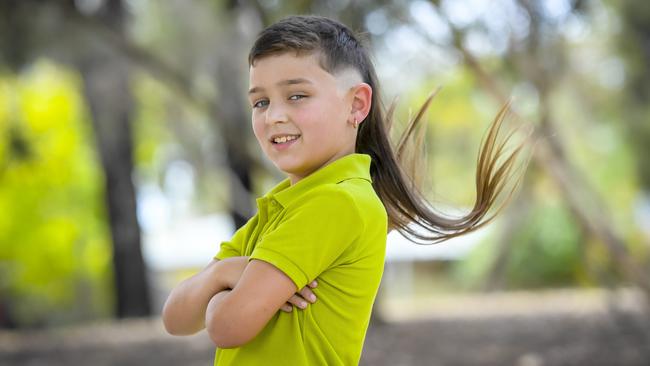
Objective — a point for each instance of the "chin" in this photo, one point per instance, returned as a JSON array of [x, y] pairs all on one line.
[[288, 169], [291, 169]]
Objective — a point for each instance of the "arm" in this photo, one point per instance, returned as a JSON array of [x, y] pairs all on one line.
[[235, 317], [282, 262], [184, 310]]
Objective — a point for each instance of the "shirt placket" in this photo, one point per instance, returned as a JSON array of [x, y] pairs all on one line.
[[262, 215], [274, 209], [268, 209]]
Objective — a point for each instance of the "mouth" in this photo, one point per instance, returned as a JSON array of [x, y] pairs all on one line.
[[281, 143], [283, 139]]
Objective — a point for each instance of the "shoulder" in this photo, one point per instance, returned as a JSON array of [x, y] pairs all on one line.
[[327, 199], [364, 196], [351, 199]]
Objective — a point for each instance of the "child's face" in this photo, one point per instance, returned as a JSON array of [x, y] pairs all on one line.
[[292, 96]]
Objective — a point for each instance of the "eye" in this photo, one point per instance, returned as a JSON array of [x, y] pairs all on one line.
[[260, 103], [297, 97]]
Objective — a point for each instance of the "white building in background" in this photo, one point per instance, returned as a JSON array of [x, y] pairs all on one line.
[[192, 242], [186, 243]]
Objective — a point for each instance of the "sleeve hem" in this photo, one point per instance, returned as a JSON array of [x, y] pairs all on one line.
[[223, 254], [284, 264]]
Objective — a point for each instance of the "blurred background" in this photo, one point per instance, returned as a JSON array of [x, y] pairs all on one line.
[[127, 156]]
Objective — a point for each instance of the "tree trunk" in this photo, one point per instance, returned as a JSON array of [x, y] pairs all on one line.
[[233, 115], [106, 85]]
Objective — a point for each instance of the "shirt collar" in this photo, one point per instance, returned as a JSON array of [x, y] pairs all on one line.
[[347, 167]]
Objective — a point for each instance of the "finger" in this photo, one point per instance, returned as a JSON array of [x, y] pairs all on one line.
[[313, 284], [298, 301], [286, 307], [308, 295]]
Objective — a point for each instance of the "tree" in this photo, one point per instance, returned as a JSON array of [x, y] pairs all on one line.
[[106, 81]]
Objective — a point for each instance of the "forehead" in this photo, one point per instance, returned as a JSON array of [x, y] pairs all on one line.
[[275, 69], [287, 65]]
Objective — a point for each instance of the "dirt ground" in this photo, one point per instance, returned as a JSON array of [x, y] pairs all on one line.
[[554, 328]]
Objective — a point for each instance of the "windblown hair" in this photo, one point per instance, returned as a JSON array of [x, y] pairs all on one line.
[[396, 173]]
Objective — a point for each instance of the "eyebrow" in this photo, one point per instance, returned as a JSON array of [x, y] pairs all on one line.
[[281, 83]]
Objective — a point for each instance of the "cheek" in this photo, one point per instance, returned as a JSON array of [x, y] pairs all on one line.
[[318, 115], [258, 129], [310, 123]]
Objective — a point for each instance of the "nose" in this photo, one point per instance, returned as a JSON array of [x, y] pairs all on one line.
[[276, 113]]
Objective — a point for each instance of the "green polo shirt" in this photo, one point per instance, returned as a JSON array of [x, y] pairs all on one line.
[[329, 226]]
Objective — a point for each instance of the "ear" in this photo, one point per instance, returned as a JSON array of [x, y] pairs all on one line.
[[361, 102]]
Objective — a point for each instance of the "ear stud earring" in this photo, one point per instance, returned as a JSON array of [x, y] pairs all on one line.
[[356, 124]]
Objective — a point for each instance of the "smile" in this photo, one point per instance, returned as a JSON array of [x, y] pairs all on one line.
[[284, 142], [284, 139]]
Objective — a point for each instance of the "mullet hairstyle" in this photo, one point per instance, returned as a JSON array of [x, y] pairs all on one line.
[[394, 170]]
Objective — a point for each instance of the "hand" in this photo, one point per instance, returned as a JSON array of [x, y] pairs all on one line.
[[303, 296]]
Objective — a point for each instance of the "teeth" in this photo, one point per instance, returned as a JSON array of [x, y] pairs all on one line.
[[283, 139]]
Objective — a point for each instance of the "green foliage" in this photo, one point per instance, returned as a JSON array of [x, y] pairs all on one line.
[[545, 252], [54, 247]]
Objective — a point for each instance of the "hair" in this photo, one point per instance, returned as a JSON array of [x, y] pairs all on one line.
[[399, 189]]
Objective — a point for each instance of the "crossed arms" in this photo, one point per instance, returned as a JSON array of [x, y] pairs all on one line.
[[232, 298]]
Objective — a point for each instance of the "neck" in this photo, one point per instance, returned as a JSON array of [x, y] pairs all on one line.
[[295, 178]]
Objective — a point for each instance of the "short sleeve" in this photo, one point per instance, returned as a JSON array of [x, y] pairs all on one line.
[[235, 246], [312, 235]]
